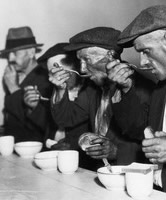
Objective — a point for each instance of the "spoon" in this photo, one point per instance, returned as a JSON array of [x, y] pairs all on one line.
[[43, 98], [40, 96], [71, 70], [106, 163], [139, 68]]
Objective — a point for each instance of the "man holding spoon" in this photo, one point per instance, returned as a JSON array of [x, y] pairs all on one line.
[[95, 48]]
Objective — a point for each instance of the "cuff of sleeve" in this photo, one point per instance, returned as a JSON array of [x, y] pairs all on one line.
[[157, 178]]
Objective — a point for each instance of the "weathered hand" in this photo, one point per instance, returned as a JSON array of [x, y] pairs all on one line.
[[58, 76], [155, 148], [11, 79], [120, 73], [103, 148], [31, 96]]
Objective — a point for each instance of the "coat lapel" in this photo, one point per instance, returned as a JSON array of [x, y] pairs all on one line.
[[157, 107]]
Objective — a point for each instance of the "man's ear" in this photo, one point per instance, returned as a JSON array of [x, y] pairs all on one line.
[[32, 52]]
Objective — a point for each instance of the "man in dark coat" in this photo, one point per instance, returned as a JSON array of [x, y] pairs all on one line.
[[59, 137], [147, 33], [95, 48], [26, 114]]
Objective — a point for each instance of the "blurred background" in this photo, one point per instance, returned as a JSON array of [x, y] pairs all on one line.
[[54, 21]]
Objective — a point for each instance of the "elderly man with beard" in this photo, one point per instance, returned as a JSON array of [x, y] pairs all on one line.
[[95, 48]]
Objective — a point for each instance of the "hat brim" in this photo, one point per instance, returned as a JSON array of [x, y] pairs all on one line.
[[127, 42], [5, 52], [78, 46]]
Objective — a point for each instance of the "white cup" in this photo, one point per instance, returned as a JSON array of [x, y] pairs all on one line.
[[139, 185], [68, 161], [6, 145]]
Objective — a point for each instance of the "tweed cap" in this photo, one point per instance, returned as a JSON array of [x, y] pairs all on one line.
[[53, 51], [103, 37], [150, 19]]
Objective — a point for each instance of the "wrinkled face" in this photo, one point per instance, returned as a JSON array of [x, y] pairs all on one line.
[[152, 50], [59, 60], [19, 59], [93, 62]]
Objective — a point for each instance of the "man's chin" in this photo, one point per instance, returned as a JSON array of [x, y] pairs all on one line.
[[96, 81]]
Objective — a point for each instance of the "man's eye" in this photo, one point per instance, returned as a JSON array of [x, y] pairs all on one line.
[[88, 60], [146, 51]]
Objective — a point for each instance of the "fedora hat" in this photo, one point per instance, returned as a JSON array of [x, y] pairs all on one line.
[[20, 38]]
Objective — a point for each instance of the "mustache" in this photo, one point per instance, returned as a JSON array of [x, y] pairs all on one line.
[[12, 63]]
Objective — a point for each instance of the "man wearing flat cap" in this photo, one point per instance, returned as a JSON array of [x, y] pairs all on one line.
[[60, 137], [147, 34], [95, 48], [25, 81]]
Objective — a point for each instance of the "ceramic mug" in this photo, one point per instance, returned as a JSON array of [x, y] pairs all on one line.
[[68, 161], [6, 145], [139, 185]]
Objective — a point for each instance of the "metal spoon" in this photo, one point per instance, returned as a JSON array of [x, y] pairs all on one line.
[[43, 98], [73, 71], [106, 163]]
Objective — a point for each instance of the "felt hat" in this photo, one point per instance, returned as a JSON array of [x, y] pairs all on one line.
[[20, 38], [150, 19], [53, 51], [103, 37]]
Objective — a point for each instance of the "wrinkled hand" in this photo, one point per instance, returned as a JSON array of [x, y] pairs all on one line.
[[58, 76], [11, 79], [31, 96], [61, 145], [103, 148], [120, 73], [155, 148]]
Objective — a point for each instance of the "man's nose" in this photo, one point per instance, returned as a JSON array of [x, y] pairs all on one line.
[[83, 67], [143, 59], [11, 57]]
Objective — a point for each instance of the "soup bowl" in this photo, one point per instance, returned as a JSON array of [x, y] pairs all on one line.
[[112, 180], [46, 160], [28, 149]]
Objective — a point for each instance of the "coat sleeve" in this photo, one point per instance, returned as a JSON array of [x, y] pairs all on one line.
[[14, 104], [131, 115], [68, 113]]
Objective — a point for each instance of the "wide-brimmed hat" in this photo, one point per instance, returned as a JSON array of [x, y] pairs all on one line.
[[20, 38], [103, 37], [150, 19], [53, 51]]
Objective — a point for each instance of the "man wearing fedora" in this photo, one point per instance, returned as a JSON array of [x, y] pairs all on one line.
[[147, 34], [25, 81], [95, 48]]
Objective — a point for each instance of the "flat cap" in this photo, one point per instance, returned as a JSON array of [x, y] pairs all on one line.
[[103, 37], [150, 19], [53, 51]]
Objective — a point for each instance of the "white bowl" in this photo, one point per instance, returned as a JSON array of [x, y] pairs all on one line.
[[112, 181], [47, 160], [28, 149]]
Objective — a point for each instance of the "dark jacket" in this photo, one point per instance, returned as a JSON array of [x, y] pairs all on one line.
[[69, 114], [18, 122], [134, 120]]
